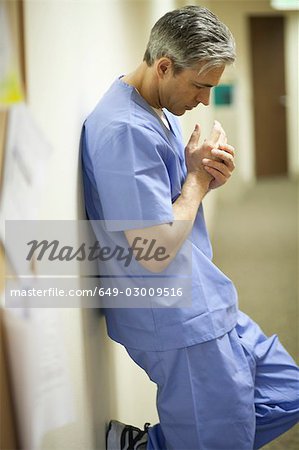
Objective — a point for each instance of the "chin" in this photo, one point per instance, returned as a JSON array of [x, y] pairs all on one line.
[[178, 112]]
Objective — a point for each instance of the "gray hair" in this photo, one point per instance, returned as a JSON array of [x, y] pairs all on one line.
[[188, 36]]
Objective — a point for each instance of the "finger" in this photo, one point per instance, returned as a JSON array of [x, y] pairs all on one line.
[[194, 138], [226, 157], [223, 138], [219, 166], [219, 177], [227, 148], [215, 135]]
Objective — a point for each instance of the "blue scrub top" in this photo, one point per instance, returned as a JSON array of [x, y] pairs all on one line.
[[133, 170]]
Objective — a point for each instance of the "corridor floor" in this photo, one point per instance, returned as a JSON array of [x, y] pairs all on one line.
[[255, 241]]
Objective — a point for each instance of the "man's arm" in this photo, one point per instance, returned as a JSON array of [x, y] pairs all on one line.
[[208, 166]]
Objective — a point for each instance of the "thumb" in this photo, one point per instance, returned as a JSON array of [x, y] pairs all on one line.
[[194, 138]]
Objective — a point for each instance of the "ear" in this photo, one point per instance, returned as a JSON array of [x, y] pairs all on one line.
[[164, 67]]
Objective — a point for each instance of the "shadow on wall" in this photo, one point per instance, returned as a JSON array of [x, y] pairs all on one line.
[[99, 361]]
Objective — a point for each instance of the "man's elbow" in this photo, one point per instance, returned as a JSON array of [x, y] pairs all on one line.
[[155, 266], [150, 250]]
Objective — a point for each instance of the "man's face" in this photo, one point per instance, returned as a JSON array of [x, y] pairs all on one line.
[[186, 90]]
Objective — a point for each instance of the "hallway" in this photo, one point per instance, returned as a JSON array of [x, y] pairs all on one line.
[[255, 244]]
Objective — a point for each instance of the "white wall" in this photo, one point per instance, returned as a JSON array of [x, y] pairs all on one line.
[[52, 35], [292, 85], [74, 50]]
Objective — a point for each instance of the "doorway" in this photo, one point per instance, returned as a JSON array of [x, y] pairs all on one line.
[[269, 95]]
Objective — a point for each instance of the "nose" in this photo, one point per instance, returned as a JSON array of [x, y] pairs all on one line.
[[204, 97]]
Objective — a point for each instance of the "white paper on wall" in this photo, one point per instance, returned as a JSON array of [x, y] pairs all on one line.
[[26, 156]]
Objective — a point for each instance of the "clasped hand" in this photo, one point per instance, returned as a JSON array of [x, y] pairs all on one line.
[[213, 161]]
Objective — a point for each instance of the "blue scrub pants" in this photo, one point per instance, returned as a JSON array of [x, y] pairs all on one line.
[[237, 392]]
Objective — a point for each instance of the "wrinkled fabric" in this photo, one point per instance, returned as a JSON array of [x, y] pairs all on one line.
[[236, 392], [133, 170]]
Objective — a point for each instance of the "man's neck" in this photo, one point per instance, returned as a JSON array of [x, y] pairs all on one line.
[[143, 79]]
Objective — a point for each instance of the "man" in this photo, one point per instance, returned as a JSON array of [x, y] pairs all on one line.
[[222, 384]]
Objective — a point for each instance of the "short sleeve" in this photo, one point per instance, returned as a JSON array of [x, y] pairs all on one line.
[[132, 178]]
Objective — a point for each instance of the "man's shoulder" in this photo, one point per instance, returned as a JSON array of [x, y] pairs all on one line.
[[114, 101], [121, 110]]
